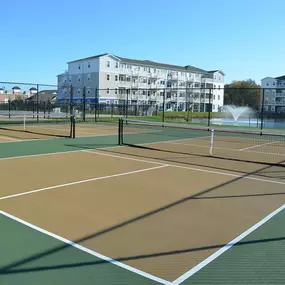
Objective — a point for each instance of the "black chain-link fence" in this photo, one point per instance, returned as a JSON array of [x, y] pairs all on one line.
[[239, 107]]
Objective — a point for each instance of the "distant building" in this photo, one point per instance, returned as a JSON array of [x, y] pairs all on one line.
[[44, 96], [16, 90], [33, 90], [274, 94], [108, 79], [1, 91]]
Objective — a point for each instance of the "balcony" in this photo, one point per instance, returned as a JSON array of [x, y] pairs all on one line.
[[124, 84]]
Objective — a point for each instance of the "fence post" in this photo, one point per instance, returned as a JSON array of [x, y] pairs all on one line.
[[44, 103], [33, 102], [9, 108], [37, 103], [262, 109], [163, 106], [95, 104], [127, 103], [71, 100], [84, 104], [209, 106]]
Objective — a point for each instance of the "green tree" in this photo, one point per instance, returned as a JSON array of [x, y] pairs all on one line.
[[243, 93]]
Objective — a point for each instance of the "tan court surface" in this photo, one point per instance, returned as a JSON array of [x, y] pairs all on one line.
[[161, 215]]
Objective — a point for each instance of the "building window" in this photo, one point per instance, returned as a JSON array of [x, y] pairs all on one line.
[[116, 91], [89, 77], [89, 65], [116, 77], [78, 78], [78, 66], [108, 76], [108, 90], [69, 79], [116, 64], [108, 63], [78, 92], [218, 97], [88, 91], [214, 97]]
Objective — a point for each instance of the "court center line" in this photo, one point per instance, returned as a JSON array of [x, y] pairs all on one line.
[[258, 145], [87, 250], [222, 250], [81, 182], [189, 168]]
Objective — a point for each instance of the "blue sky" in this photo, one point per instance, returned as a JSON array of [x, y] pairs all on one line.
[[243, 38]]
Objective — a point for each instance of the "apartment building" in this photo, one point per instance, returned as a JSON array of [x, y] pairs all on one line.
[[274, 94], [110, 79]]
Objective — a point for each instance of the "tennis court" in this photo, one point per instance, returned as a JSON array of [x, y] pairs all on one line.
[[158, 209]]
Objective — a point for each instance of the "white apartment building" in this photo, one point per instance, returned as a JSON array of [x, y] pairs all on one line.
[[273, 89], [109, 79]]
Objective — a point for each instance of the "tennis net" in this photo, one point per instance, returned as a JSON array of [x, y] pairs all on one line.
[[23, 127], [231, 144]]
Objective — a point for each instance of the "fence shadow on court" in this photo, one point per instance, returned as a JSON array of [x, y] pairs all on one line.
[[137, 257], [12, 267]]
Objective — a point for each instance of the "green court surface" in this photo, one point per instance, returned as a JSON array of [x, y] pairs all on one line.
[[31, 257]]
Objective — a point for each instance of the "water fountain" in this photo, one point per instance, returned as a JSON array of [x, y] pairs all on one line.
[[237, 116], [237, 111]]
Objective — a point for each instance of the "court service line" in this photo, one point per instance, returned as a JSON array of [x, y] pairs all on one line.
[[189, 168], [258, 145], [10, 139], [87, 250], [81, 182], [222, 250]]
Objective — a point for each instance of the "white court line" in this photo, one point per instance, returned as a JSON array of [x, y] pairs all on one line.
[[215, 255], [232, 149], [258, 145], [189, 168], [81, 181], [87, 250], [11, 139]]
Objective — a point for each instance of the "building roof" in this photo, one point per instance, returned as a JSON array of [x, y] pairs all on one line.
[[33, 88], [44, 96], [161, 65], [149, 63], [90, 57], [2, 89], [16, 87], [280, 77], [216, 70]]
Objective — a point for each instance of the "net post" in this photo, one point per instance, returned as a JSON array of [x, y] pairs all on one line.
[[72, 129], [211, 141], [119, 132]]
